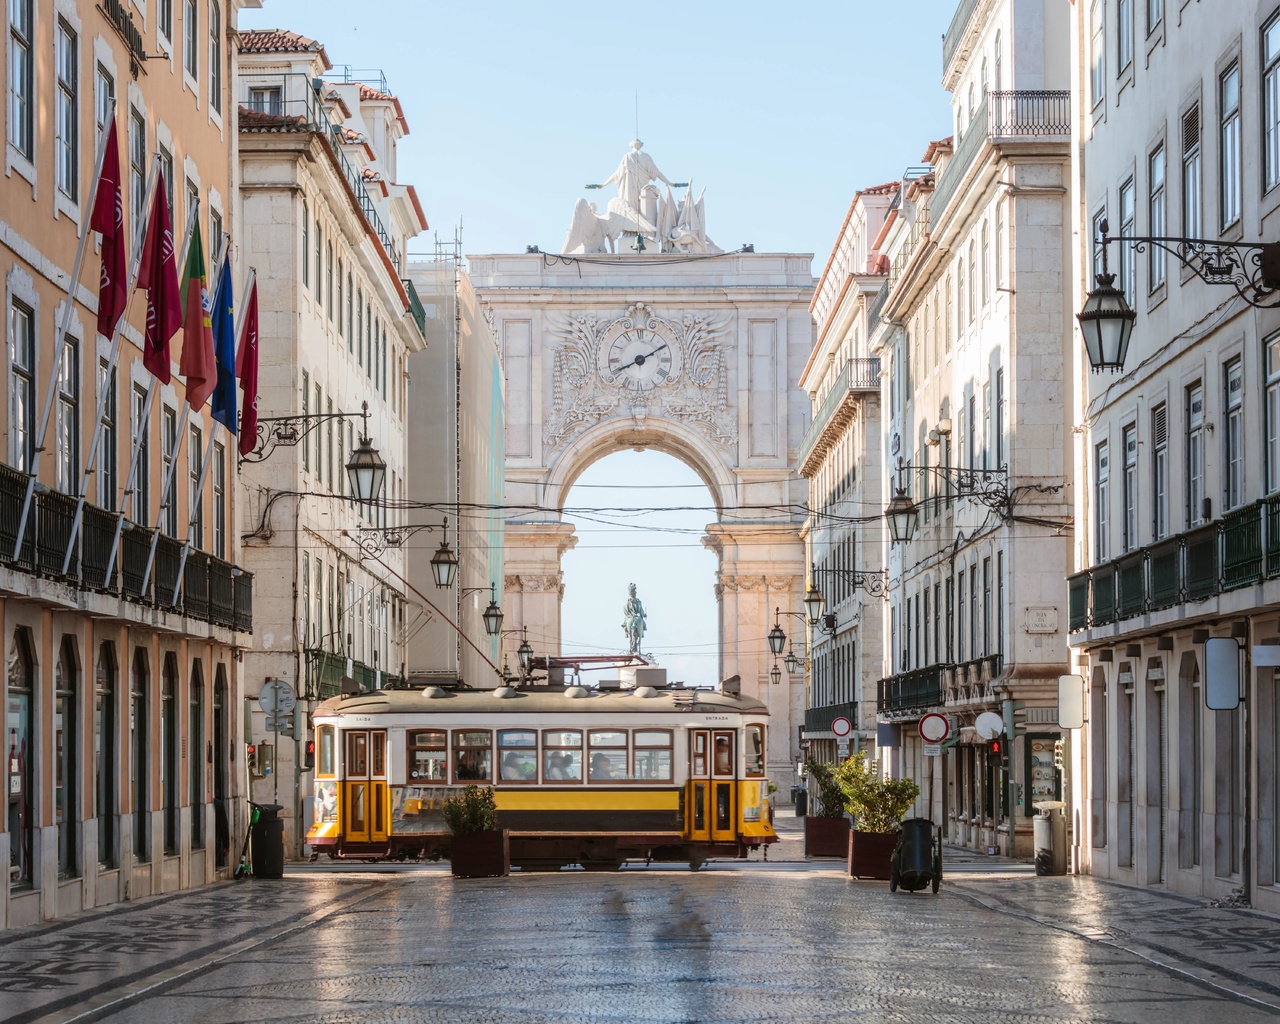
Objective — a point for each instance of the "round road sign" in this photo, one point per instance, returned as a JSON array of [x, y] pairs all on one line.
[[934, 728], [842, 727]]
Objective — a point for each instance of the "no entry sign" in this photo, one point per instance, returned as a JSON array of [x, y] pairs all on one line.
[[934, 728]]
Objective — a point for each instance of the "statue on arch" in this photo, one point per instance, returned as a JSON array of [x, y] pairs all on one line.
[[633, 620]]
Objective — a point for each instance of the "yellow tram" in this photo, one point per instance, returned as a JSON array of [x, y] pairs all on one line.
[[585, 776]]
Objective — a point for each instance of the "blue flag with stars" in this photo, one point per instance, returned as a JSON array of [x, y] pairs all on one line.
[[224, 350]]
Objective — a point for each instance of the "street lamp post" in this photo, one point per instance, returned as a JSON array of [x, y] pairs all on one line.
[[990, 487]]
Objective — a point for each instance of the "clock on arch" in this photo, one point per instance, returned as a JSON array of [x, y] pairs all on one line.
[[639, 354]]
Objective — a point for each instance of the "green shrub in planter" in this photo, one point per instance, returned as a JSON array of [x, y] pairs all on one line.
[[472, 810], [877, 804], [826, 797]]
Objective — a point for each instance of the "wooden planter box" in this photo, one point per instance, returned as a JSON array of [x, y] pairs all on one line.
[[826, 837], [870, 853], [481, 854]]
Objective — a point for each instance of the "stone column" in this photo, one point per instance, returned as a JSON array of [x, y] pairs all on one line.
[[533, 586]]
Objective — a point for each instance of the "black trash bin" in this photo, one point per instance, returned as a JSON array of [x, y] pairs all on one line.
[[800, 797], [267, 842], [917, 847]]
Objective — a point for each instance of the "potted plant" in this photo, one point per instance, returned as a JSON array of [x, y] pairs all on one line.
[[878, 806], [479, 849], [826, 829]]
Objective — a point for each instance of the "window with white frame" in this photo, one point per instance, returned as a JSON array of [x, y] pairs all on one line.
[[191, 36], [1124, 35], [1155, 14], [216, 237], [1099, 218], [68, 418], [219, 473], [1160, 472], [999, 246], [973, 279], [21, 76], [215, 56], [164, 19], [266, 100], [1155, 214], [137, 169], [1229, 175], [1000, 414], [306, 246], [1101, 502], [168, 452], [1191, 219], [1098, 54], [195, 456], [67, 111], [22, 362], [1195, 455], [142, 474], [1128, 258], [986, 263], [1233, 434], [107, 482], [104, 101], [193, 203], [1129, 438], [1271, 103], [166, 166]]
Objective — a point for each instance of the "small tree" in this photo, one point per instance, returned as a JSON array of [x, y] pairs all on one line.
[[830, 798], [877, 804], [472, 810]]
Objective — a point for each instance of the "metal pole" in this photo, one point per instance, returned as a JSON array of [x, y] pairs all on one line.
[[166, 493], [143, 422], [1246, 854], [195, 510]]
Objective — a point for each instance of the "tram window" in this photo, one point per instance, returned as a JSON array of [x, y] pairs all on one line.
[[607, 754], [562, 755], [518, 750], [378, 749], [358, 755], [473, 756], [723, 755], [652, 754], [755, 750], [428, 756], [324, 737]]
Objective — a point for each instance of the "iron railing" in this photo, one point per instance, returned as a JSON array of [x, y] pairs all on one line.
[[909, 691], [415, 306], [206, 591], [858, 375], [1241, 548], [877, 307], [820, 719]]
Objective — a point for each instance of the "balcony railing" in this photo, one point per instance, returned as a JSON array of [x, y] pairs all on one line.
[[819, 719], [911, 691], [325, 670], [415, 306], [858, 375], [1023, 114], [1240, 549], [206, 593], [877, 306]]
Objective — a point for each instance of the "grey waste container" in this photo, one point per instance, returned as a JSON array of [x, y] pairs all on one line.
[[800, 797], [267, 842], [1049, 831]]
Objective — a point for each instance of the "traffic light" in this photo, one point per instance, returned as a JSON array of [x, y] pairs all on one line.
[[251, 760], [309, 755], [998, 755]]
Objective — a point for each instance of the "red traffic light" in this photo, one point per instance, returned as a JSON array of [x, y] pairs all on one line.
[[309, 755]]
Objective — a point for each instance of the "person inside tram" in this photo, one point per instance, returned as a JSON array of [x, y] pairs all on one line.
[[513, 767], [555, 766], [600, 767]]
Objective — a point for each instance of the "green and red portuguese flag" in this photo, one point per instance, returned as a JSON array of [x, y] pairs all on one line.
[[198, 365]]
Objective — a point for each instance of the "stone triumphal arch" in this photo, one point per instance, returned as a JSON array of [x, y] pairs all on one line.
[[665, 343]]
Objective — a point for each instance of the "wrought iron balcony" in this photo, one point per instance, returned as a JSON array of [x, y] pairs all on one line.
[[415, 306], [1241, 548], [859, 376], [911, 691], [877, 307], [819, 719]]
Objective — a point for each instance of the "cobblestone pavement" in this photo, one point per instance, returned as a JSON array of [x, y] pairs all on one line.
[[787, 940]]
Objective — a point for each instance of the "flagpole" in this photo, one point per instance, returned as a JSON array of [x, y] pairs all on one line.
[[144, 423], [112, 360], [59, 342]]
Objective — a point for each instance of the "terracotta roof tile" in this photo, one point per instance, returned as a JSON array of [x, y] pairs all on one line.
[[258, 121], [279, 40]]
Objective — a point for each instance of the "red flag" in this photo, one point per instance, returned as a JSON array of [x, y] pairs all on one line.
[[158, 277], [199, 365], [108, 220], [247, 371]]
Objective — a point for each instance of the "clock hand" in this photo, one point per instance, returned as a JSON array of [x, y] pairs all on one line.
[[640, 359]]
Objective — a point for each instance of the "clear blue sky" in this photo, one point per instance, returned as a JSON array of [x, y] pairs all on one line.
[[781, 111]]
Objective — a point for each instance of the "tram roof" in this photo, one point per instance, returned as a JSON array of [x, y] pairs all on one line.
[[543, 700]]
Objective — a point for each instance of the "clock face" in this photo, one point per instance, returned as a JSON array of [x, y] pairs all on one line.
[[640, 359]]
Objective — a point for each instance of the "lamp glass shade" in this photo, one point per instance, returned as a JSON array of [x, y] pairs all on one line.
[[792, 662], [775, 674], [814, 602], [901, 515], [366, 471], [525, 653], [1106, 321], [777, 639], [444, 566], [493, 617]]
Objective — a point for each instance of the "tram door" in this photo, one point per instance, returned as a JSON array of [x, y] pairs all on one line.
[[366, 786], [699, 812], [724, 788]]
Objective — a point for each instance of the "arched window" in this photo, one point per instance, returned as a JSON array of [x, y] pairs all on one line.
[[66, 746], [140, 754], [169, 751], [19, 722], [196, 753], [104, 754], [996, 79]]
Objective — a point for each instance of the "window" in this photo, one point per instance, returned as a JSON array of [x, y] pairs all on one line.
[[319, 463], [999, 425], [193, 201], [472, 756], [168, 452], [216, 240], [142, 475], [164, 18], [562, 755], [21, 83], [169, 741], [195, 507], [104, 753], [350, 303], [986, 265], [1155, 14], [219, 473], [959, 297], [947, 326], [19, 762], [1102, 502], [651, 755], [306, 598], [137, 169], [1191, 223], [104, 102], [66, 746], [1271, 103], [518, 755], [999, 249], [197, 763], [1229, 184], [166, 166], [960, 627], [1127, 256], [339, 298], [215, 56], [359, 327], [266, 100], [326, 763], [68, 417], [22, 361], [1195, 455], [140, 755], [1155, 213], [67, 111], [1129, 438], [306, 246], [973, 279], [1098, 53], [427, 756], [1160, 472], [1124, 35], [191, 36], [306, 411], [755, 751], [971, 433], [319, 267], [1233, 435], [607, 754], [1273, 413], [328, 299], [328, 462]]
